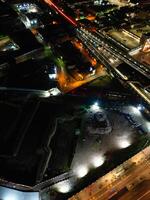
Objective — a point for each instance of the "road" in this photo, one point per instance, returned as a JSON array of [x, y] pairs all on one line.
[[109, 44], [60, 11], [40, 93], [103, 52]]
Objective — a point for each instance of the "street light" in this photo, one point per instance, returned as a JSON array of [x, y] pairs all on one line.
[[81, 171], [95, 106], [63, 187], [98, 160], [140, 107], [124, 143], [136, 110], [45, 94]]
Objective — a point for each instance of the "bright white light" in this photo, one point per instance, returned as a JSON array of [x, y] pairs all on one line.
[[54, 91], [52, 76], [98, 160], [93, 72], [135, 111], [81, 171], [95, 107], [63, 187], [11, 196], [91, 69], [33, 10], [123, 143], [46, 94], [140, 107], [146, 91], [148, 127], [111, 60], [26, 22]]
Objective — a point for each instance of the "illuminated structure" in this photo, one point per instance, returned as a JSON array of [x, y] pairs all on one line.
[[145, 41]]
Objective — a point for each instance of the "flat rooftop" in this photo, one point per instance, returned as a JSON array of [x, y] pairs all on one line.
[[143, 58]]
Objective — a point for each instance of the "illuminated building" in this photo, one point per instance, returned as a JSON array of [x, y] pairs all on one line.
[[145, 41]]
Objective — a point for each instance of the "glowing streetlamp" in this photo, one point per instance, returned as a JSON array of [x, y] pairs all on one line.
[[95, 107], [63, 187], [136, 110], [81, 171], [98, 160], [140, 107], [124, 143]]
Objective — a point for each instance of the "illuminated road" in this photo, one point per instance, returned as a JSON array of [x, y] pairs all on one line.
[[67, 83], [104, 53], [141, 92], [107, 42], [100, 44], [40, 93], [129, 175], [84, 52], [59, 10]]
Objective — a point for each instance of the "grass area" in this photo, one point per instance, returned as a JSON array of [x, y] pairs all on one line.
[[48, 52], [60, 62]]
